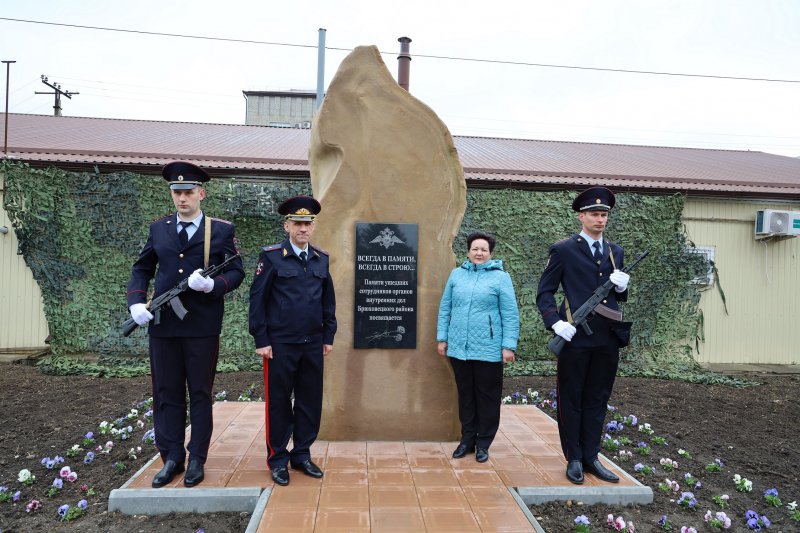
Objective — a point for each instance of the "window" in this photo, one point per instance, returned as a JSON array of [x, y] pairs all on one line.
[[704, 264]]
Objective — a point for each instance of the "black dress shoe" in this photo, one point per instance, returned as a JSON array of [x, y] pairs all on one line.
[[481, 455], [166, 474], [462, 450], [309, 469], [597, 469], [194, 473], [575, 472], [280, 475]]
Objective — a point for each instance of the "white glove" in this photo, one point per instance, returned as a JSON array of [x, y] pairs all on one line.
[[199, 282], [565, 330], [140, 314], [620, 279]]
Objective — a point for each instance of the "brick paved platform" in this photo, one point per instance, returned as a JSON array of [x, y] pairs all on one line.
[[380, 486]]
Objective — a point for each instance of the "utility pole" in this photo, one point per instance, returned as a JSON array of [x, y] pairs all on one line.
[[58, 92], [5, 129], [320, 68]]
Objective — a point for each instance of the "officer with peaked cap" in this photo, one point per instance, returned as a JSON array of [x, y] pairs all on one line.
[[183, 353], [587, 365], [293, 321]]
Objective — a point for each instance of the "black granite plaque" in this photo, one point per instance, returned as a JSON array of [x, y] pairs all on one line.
[[386, 285]]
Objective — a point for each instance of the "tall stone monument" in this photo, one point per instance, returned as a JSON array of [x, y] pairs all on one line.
[[393, 194]]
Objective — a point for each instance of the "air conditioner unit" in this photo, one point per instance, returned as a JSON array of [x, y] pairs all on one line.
[[771, 222]]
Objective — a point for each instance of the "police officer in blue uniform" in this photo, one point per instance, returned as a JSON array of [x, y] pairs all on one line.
[[293, 321], [183, 353], [587, 365]]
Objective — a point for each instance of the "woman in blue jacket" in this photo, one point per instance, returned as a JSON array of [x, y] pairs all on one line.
[[477, 329]]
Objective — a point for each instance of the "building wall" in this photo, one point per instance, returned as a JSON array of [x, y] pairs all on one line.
[[22, 321], [761, 282], [282, 111]]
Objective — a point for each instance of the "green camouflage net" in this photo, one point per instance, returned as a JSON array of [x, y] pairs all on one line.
[[81, 232], [663, 301]]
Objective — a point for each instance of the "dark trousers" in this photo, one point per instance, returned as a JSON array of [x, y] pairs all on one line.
[[585, 380], [178, 364], [480, 385], [298, 369]]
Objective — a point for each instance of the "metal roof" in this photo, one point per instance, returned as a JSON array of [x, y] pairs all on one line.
[[75, 142]]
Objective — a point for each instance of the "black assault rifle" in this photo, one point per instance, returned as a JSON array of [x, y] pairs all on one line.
[[171, 298], [593, 305]]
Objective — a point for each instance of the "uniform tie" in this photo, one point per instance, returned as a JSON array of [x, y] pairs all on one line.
[[183, 235], [597, 255], [304, 258]]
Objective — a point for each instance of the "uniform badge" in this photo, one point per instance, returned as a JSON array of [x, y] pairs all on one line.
[[259, 268]]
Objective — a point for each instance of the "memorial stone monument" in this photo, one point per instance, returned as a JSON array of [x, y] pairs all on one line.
[[393, 194]]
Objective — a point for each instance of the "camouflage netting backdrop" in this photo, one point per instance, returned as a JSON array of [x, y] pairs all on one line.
[[81, 232]]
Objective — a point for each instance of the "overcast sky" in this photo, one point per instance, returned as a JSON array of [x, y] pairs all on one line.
[[138, 76]]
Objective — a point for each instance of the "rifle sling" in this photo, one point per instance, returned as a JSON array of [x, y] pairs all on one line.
[[207, 242]]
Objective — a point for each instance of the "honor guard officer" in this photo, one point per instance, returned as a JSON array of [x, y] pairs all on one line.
[[183, 353], [587, 365], [293, 321]]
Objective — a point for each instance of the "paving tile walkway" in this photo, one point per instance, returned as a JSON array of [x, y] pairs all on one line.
[[391, 486]]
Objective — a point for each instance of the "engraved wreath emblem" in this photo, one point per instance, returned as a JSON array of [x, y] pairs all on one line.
[[386, 238]]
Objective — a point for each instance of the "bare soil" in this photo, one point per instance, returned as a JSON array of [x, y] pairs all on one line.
[[752, 430]]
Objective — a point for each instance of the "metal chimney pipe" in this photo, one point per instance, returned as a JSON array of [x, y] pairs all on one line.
[[404, 62]]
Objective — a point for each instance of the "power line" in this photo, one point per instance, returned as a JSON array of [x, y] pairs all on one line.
[[166, 100], [155, 87], [163, 34], [427, 56], [515, 123], [601, 69], [18, 89]]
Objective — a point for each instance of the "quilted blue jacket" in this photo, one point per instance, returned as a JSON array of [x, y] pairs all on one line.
[[478, 314]]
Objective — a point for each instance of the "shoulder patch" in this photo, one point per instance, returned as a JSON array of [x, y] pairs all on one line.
[[215, 219], [162, 218], [318, 249], [271, 248]]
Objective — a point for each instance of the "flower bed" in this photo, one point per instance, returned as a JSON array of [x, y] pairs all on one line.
[[717, 458], [746, 430], [66, 442]]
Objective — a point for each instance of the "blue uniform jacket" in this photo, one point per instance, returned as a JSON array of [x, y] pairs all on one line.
[[478, 314], [163, 250], [571, 264], [291, 304]]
